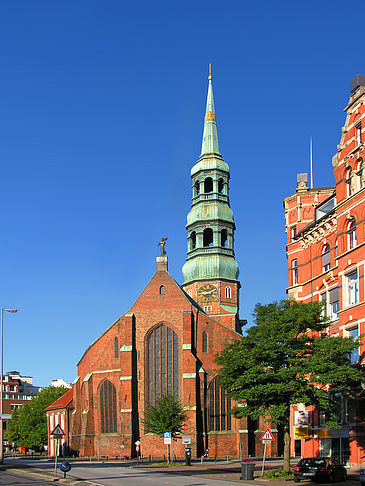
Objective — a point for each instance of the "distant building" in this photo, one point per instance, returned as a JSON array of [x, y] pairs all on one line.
[[60, 382], [17, 390], [326, 256]]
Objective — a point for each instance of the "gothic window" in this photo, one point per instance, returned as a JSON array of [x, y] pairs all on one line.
[[326, 258], [193, 240], [348, 183], [228, 293], [205, 342], [116, 347], [208, 185], [219, 406], [162, 290], [196, 188], [163, 363], [224, 238], [208, 237], [294, 270], [108, 408], [351, 234], [220, 186]]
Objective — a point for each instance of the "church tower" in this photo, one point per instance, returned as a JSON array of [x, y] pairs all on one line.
[[211, 271]]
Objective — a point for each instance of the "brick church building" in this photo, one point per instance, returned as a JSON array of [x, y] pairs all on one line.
[[168, 340], [326, 257]]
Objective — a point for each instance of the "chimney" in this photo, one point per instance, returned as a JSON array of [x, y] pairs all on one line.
[[302, 182], [161, 263]]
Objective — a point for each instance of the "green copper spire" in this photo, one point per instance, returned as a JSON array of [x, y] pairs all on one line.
[[210, 135]]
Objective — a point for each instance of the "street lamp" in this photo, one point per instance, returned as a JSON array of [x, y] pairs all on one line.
[[1, 384]]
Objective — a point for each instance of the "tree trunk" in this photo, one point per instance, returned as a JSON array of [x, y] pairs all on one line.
[[286, 446]]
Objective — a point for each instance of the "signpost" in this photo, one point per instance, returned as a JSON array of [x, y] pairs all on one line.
[[167, 441], [186, 440], [58, 433], [266, 438]]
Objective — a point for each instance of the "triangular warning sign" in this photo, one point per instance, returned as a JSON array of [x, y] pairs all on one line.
[[58, 431], [267, 435]]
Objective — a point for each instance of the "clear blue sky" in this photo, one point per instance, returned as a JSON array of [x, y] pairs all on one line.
[[101, 118]]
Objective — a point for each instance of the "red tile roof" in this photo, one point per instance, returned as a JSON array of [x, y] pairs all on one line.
[[61, 402]]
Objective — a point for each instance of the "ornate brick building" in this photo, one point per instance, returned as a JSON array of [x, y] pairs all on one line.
[[326, 257], [168, 340]]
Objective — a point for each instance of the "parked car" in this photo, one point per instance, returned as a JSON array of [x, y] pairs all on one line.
[[319, 469], [362, 477]]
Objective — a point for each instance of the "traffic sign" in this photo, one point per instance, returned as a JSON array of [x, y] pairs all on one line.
[[138, 442], [122, 446], [186, 440], [58, 433], [5, 416], [267, 435], [137, 448], [167, 438]]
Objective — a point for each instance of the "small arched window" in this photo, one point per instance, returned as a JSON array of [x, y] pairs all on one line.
[[205, 342], [196, 188], [295, 272], [208, 237], [359, 171], [228, 292], [348, 183], [351, 234], [116, 347], [326, 258], [208, 185], [162, 290], [220, 186], [224, 238], [108, 408], [193, 240], [190, 293]]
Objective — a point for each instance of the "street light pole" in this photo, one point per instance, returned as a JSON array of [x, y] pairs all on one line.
[[1, 382]]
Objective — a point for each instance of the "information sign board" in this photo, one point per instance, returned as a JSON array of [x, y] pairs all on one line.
[[167, 438]]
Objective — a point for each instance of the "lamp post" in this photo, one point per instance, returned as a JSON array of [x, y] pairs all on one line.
[[1, 383]]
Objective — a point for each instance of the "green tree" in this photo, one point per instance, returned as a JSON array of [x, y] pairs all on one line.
[[166, 415], [28, 424], [287, 358]]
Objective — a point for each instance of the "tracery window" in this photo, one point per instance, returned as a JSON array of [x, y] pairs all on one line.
[[108, 408], [205, 342], [163, 363], [116, 347], [219, 406]]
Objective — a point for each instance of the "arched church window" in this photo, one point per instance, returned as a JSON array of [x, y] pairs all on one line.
[[326, 257], [205, 342], [208, 237], [193, 240], [163, 363], [219, 407], [220, 186], [196, 188], [224, 238], [162, 290], [228, 292], [108, 408], [116, 347], [208, 185]]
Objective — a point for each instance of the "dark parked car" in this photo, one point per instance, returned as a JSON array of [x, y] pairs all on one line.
[[319, 469]]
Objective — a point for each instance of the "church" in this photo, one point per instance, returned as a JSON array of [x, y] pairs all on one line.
[[168, 340]]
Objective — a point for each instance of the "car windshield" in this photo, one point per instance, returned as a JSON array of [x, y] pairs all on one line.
[[312, 462]]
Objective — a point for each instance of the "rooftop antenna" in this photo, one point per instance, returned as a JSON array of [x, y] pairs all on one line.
[[311, 160]]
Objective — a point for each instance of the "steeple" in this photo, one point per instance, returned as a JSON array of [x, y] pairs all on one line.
[[210, 135], [211, 271]]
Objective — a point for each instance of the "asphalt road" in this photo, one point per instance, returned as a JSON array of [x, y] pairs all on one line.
[[11, 479]]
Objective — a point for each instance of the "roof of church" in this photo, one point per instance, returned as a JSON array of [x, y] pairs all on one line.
[[62, 402]]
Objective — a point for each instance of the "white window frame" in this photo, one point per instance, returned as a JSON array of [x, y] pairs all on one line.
[[327, 266], [352, 288], [294, 270], [352, 235]]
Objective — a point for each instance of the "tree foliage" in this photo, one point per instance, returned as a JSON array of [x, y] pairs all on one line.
[[28, 424], [287, 358], [167, 415]]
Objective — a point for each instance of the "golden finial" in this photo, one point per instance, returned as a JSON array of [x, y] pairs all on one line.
[[210, 72]]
